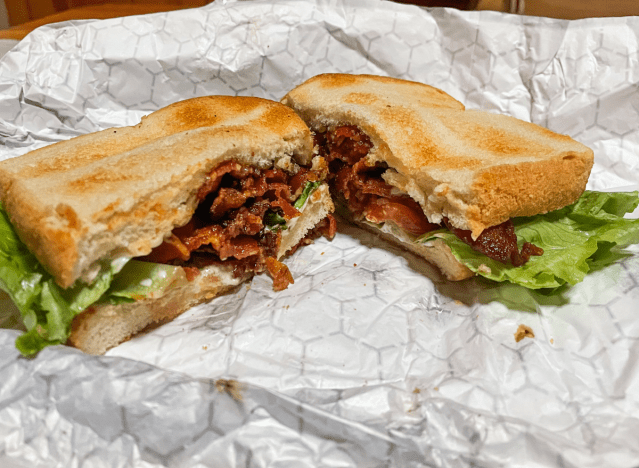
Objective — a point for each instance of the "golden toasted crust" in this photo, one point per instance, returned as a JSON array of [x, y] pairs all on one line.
[[118, 192], [476, 168]]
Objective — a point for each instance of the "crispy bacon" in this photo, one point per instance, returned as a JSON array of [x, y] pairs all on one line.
[[244, 223], [275, 175], [191, 272], [213, 180], [227, 199], [270, 242], [281, 197], [498, 242], [280, 273], [528, 250], [212, 235], [348, 143], [186, 230], [368, 179], [327, 227], [361, 185], [239, 247], [228, 224], [254, 186]]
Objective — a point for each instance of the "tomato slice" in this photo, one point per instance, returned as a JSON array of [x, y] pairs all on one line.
[[403, 211]]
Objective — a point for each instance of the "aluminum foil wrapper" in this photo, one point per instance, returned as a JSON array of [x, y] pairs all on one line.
[[371, 358]]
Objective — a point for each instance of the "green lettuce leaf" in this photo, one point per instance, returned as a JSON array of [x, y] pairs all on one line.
[[140, 280], [575, 239], [47, 309], [274, 221], [309, 187]]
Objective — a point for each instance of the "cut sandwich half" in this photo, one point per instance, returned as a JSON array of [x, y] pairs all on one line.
[[409, 162], [107, 233]]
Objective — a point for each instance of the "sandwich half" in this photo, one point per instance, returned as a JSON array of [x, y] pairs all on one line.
[[108, 233], [409, 162]]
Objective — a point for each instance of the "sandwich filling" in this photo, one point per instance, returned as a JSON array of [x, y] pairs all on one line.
[[368, 197], [239, 221]]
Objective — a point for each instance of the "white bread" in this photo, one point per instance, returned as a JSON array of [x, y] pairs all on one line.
[[119, 192], [435, 251], [476, 168]]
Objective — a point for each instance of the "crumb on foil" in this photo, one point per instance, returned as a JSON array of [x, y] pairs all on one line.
[[232, 387], [523, 331]]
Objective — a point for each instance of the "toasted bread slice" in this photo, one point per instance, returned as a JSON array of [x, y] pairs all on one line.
[[119, 192], [478, 169]]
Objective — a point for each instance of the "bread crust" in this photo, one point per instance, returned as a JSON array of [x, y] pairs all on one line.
[[79, 203], [476, 168]]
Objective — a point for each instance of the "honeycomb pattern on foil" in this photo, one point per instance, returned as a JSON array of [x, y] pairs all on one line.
[[427, 371]]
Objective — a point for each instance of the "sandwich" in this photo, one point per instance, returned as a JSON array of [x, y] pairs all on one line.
[[106, 234], [474, 193]]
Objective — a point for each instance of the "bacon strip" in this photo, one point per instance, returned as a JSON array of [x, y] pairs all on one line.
[[170, 249], [280, 273], [240, 247], [327, 227], [213, 180], [348, 143], [228, 225], [499, 243], [282, 196], [228, 199]]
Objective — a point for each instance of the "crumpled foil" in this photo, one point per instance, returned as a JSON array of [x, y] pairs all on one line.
[[371, 358]]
